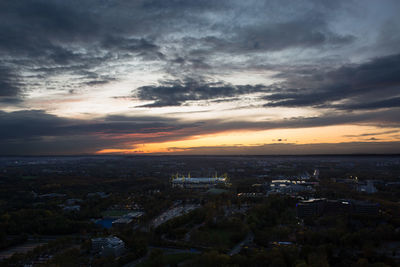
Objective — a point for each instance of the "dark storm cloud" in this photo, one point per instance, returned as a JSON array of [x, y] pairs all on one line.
[[47, 38], [367, 86], [386, 118], [386, 103], [33, 27], [357, 85], [55, 45], [177, 92], [47, 29], [10, 86], [37, 123], [68, 145], [22, 131], [58, 37], [120, 43], [37, 132], [184, 5], [8, 83], [305, 32], [29, 124], [40, 33]]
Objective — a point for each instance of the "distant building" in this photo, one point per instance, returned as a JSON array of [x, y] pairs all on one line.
[[367, 187], [122, 221], [310, 208], [304, 176], [108, 246], [198, 182], [316, 174], [365, 208], [250, 195], [172, 213], [320, 206], [290, 186], [338, 206], [131, 217]]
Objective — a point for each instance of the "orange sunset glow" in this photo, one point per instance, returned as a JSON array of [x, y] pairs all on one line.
[[253, 139]]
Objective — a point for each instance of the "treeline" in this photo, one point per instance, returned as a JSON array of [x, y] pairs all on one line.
[[39, 221], [11, 241]]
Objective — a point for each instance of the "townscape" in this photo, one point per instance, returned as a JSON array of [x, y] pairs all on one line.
[[200, 211]]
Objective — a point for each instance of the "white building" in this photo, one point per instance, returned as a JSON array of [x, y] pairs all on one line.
[[367, 187], [199, 182], [172, 213], [290, 186], [128, 218], [108, 246]]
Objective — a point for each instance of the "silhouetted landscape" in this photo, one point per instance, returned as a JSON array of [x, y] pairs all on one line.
[[200, 211]]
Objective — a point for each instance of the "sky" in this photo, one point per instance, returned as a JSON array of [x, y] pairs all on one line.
[[199, 77]]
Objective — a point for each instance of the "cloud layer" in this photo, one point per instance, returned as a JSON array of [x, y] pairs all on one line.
[[371, 85], [35, 130], [81, 76]]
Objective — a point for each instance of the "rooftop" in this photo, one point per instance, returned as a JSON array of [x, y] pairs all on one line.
[[199, 180]]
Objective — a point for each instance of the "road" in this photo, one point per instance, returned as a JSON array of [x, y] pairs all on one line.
[[236, 249], [166, 251], [23, 248], [30, 244]]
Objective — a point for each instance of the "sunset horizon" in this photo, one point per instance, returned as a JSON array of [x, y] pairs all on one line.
[[199, 77]]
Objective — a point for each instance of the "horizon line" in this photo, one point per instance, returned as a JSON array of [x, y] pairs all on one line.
[[207, 155]]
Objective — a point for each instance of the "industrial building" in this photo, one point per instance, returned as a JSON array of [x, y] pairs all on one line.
[[198, 182], [320, 206], [309, 208], [366, 187], [130, 218], [290, 186]]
